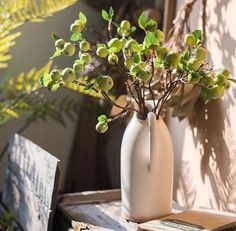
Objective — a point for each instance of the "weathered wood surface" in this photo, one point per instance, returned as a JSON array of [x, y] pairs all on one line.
[[97, 211], [105, 216], [30, 184], [89, 197]]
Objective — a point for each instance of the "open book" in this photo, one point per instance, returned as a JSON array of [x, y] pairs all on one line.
[[193, 220]]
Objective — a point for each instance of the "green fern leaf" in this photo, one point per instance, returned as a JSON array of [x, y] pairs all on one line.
[[21, 95], [15, 13], [26, 83]]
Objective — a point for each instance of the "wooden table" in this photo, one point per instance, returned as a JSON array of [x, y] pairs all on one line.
[[100, 208]]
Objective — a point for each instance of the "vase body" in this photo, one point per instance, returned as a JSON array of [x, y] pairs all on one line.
[[146, 169]]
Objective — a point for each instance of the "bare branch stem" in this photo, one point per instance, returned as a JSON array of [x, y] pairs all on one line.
[[121, 114], [84, 85], [204, 3]]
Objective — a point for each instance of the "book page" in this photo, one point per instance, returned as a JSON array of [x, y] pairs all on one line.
[[196, 220]]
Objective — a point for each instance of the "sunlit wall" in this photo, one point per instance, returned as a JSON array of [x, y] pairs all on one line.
[[205, 146]]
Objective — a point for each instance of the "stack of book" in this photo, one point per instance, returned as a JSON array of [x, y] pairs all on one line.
[[191, 220]]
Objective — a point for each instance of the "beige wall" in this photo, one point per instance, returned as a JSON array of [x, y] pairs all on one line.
[[205, 148], [33, 49]]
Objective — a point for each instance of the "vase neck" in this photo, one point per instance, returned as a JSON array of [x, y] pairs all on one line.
[[149, 106]]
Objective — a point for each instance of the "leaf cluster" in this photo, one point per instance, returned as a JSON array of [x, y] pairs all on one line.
[[24, 97], [149, 69], [21, 95]]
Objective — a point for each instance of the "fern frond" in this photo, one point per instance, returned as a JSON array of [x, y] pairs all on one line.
[[38, 107], [17, 92], [23, 97], [14, 13], [6, 42], [25, 83], [20, 95]]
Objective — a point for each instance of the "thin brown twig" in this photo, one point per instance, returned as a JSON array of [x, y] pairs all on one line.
[[141, 102], [165, 98], [84, 85], [149, 86], [204, 3], [130, 91], [120, 115], [109, 29], [106, 96], [169, 88]]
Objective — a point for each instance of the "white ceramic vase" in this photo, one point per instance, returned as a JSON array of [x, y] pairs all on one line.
[[146, 169]]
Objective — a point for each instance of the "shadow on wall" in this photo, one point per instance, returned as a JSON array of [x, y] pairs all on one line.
[[208, 130], [211, 181], [224, 40], [216, 149]]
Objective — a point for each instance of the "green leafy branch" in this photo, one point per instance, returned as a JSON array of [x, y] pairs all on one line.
[[149, 69]]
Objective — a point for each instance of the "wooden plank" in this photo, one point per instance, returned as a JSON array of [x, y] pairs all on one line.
[[90, 197], [103, 216], [30, 184], [64, 218], [169, 16], [101, 211], [96, 210]]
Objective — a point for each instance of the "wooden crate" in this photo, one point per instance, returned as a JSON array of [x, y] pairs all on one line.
[[96, 210], [101, 210]]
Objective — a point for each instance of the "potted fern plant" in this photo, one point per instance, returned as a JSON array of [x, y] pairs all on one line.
[[152, 75]]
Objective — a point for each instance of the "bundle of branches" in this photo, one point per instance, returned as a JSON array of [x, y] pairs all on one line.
[[183, 99]]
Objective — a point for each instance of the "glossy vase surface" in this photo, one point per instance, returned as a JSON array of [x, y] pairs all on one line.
[[146, 169]]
